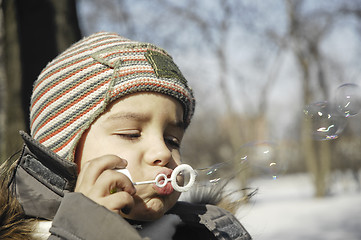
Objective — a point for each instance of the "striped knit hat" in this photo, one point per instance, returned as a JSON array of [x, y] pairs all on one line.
[[77, 86]]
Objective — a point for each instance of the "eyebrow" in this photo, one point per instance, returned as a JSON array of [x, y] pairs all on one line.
[[128, 116], [139, 117]]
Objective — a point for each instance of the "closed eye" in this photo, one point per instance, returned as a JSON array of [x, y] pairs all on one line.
[[132, 135]]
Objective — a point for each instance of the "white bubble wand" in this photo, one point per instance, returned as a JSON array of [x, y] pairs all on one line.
[[185, 168]]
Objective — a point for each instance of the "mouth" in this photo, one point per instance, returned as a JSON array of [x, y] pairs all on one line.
[[167, 189]]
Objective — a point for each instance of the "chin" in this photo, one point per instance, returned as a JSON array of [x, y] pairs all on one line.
[[154, 209]]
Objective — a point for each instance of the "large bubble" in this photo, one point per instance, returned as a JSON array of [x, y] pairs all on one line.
[[326, 122]]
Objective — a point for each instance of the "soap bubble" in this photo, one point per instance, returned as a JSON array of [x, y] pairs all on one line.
[[212, 185], [326, 122], [348, 99], [216, 173], [262, 158]]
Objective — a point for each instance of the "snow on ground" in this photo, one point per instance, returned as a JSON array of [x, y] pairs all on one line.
[[285, 209]]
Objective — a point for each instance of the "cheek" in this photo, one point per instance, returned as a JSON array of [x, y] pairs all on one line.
[[176, 157], [91, 146]]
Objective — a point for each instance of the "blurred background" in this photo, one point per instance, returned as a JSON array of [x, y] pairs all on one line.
[[277, 85]]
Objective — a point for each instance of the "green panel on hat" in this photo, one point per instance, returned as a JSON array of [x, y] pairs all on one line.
[[164, 66]]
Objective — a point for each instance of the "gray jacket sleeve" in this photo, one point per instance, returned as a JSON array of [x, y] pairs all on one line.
[[79, 217], [222, 224]]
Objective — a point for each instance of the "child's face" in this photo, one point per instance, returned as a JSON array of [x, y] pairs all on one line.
[[145, 129]]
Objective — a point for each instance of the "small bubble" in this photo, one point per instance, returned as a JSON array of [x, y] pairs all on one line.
[[326, 123], [216, 173], [258, 158], [263, 159], [348, 99]]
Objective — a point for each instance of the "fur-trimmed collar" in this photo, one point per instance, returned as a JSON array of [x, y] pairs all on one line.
[[13, 223]]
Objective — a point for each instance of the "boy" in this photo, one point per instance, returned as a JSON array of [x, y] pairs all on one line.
[[110, 103]]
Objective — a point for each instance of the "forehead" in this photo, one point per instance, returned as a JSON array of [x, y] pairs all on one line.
[[143, 107]]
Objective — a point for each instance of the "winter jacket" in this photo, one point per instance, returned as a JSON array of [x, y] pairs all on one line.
[[43, 184]]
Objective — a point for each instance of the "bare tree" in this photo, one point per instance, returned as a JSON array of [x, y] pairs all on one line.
[[209, 28], [304, 38], [33, 34]]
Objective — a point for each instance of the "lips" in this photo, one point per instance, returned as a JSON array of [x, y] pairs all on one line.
[[167, 189]]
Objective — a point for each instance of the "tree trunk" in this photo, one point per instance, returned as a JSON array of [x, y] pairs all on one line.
[[35, 32], [14, 114]]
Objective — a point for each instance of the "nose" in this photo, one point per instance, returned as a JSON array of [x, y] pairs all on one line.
[[158, 153]]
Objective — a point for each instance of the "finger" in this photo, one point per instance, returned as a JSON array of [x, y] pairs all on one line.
[[118, 202], [93, 168], [111, 180]]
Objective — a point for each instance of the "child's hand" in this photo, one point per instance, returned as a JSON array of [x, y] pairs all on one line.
[[98, 181]]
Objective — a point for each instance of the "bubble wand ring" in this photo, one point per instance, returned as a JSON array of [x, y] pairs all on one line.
[[173, 179], [176, 171]]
